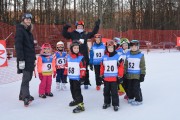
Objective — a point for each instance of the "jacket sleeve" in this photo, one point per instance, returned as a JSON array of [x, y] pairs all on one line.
[[101, 69], [95, 31], [54, 64], [91, 56], [66, 68], [39, 64], [65, 32], [19, 45], [82, 68], [143, 65], [121, 68]]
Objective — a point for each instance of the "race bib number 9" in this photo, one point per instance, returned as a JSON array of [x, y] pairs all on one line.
[[73, 69], [47, 67], [110, 66]]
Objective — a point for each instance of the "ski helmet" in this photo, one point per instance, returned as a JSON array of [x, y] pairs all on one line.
[[26, 15], [75, 43], [134, 42], [79, 23], [124, 40], [46, 45], [117, 40]]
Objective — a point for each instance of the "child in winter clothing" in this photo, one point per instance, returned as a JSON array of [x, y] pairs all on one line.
[[96, 53], [46, 68], [135, 71], [60, 56], [112, 70], [75, 69]]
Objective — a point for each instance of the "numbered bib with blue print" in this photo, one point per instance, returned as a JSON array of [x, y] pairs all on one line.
[[73, 69], [110, 66], [133, 64], [46, 67], [60, 61], [98, 53]]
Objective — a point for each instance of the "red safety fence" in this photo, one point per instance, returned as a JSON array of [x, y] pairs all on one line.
[[52, 34]]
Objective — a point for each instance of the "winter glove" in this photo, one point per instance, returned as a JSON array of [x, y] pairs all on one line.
[[21, 65], [91, 67], [97, 23], [82, 80], [120, 80], [40, 76], [142, 78], [54, 74]]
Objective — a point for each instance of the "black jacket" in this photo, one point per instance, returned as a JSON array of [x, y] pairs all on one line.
[[24, 46], [76, 36]]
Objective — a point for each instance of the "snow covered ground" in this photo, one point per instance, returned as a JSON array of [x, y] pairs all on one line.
[[160, 92]]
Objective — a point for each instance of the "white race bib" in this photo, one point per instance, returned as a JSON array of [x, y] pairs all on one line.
[[73, 69], [110, 66], [98, 53], [133, 63], [60, 61], [46, 67]]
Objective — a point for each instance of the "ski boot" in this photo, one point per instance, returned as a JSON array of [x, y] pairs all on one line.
[[79, 108], [42, 96], [130, 101], [49, 94], [26, 102], [57, 86], [73, 103], [31, 98], [98, 87], [105, 106], [136, 103], [85, 86], [116, 108], [63, 86]]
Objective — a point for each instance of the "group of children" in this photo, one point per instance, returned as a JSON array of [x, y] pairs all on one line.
[[115, 65]]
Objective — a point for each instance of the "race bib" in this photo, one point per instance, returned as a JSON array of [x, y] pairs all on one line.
[[47, 67], [73, 69], [60, 61], [110, 66], [98, 53], [133, 64]]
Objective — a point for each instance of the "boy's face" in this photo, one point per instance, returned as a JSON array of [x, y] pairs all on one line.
[[76, 49], [47, 50], [98, 40], [125, 46], [27, 21], [134, 48], [80, 27], [110, 49]]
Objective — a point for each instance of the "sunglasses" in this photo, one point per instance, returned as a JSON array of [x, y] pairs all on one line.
[[79, 23], [60, 47], [28, 16]]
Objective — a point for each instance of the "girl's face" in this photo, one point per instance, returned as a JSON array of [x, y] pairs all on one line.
[[110, 49], [134, 48], [98, 40], [125, 46], [27, 21], [60, 47], [47, 50], [76, 49]]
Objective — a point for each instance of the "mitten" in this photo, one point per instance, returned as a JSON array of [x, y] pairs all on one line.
[[142, 78], [91, 67]]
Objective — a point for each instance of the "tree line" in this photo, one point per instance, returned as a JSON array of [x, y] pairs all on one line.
[[120, 15]]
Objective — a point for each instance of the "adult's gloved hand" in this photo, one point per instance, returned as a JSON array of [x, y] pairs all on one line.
[[91, 67], [142, 78], [21, 65], [98, 22]]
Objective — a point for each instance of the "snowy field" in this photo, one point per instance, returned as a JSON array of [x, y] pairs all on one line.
[[160, 92]]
